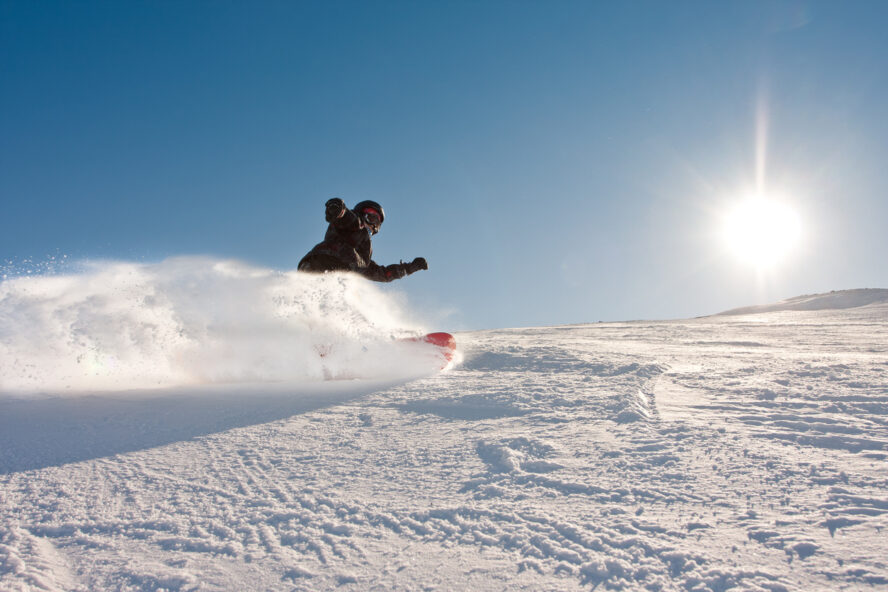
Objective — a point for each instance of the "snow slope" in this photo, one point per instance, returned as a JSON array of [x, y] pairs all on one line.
[[727, 452], [829, 301]]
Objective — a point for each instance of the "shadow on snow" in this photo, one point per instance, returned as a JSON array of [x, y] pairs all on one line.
[[45, 431]]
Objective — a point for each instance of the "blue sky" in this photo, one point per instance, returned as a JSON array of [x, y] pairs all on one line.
[[556, 162]]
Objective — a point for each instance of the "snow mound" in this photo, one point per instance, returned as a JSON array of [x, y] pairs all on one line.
[[835, 300], [192, 321]]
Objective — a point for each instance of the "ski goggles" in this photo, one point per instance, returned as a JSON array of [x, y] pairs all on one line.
[[372, 217]]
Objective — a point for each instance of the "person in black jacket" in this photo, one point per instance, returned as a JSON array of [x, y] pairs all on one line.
[[346, 246]]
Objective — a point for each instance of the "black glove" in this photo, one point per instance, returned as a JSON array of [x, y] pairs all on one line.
[[335, 208], [416, 265]]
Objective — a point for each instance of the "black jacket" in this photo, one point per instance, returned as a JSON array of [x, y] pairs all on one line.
[[347, 247]]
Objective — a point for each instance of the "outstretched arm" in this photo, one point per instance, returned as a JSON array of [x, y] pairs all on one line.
[[388, 273]]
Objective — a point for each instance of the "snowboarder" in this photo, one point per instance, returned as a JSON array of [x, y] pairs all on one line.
[[346, 246]]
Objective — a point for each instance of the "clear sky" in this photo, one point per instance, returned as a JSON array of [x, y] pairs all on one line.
[[556, 162]]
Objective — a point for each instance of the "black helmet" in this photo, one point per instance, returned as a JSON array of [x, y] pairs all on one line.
[[365, 209]]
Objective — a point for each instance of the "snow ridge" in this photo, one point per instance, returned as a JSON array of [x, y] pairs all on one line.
[[835, 300]]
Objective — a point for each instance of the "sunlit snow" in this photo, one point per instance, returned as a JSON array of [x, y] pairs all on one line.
[[743, 451]]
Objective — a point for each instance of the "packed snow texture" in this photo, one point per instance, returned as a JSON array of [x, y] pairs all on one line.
[[194, 321], [728, 452]]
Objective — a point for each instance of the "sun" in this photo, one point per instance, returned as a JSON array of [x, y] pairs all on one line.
[[761, 231]]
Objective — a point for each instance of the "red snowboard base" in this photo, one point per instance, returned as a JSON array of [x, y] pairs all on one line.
[[444, 341], [436, 344]]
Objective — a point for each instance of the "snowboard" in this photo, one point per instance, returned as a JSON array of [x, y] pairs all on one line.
[[445, 342]]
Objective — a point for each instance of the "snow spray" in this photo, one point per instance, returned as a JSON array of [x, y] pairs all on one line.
[[195, 321]]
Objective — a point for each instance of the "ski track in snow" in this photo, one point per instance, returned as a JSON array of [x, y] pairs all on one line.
[[709, 454]]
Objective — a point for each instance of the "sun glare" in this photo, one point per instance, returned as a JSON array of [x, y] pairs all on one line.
[[761, 232]]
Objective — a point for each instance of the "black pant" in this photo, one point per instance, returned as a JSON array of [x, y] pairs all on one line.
[[319, 263]]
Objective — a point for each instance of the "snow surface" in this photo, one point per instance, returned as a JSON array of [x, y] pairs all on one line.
[[744, 452], [833, 300]]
